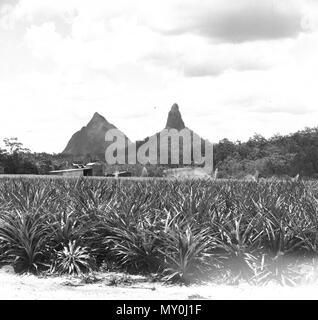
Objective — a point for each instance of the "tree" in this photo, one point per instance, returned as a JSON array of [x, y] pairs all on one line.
[[17, 159], [14, 146]]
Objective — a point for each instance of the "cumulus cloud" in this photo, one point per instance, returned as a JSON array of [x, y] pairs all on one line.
[[192, 56], [35, 11], [229, 21], [219, 20], [195, 40]]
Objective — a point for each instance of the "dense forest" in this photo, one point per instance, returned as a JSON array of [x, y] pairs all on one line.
[[277, 156], [293, 154]]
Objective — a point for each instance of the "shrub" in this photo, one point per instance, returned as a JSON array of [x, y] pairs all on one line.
[[73, 259], [23, 236]]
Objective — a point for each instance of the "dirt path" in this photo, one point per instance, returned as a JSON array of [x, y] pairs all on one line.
[[120, 287]]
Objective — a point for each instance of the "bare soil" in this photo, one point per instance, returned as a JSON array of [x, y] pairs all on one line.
[[115, 286]]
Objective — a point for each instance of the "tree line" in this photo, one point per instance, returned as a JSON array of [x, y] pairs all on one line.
[[279, 155]]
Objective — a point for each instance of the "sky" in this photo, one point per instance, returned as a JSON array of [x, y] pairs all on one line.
[[235, 68]]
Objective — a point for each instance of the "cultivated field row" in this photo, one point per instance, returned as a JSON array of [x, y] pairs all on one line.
[[173, 230]]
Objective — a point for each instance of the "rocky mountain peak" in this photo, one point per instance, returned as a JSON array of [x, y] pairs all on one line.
[[91, 138], [97, 119], [175, 119]]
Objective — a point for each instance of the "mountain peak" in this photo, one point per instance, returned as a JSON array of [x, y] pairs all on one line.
[[175, 119], [91, 138], [98, 117], [98, 120], [175, 107]]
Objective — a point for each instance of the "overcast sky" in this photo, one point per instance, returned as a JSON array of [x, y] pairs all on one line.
[[234, 67]]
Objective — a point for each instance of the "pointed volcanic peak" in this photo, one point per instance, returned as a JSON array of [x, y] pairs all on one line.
[[164, 138], [90, 140], [175, 120], [98, 119]]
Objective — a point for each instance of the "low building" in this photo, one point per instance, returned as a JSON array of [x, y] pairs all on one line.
[[97, 169], [78, 165], [1, 170], [82, 172], [94, 169], [123, 174]]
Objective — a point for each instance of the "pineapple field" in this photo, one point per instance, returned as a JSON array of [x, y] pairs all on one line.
[[174, 231]]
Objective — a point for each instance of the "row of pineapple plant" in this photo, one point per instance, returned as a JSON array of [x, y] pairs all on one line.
[[177, 230]]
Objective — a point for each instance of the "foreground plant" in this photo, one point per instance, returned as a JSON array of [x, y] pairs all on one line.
[[185, 254], [73, 259], [278, 269], [23, 236]]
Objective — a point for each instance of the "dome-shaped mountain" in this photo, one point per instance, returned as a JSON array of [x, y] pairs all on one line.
[[90, 140]]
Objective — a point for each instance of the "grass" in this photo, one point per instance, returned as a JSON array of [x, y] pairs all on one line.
[[181, 231]]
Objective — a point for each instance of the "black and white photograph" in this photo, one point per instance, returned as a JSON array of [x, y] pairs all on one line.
[[158, 150]]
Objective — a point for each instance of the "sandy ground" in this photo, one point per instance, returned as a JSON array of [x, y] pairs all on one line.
[[121, 287]]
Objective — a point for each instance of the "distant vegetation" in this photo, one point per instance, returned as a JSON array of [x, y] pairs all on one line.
[[179, 231], [278, 156]]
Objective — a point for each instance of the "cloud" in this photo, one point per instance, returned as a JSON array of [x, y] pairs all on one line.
[[229, 21], [194, 40], [218, 20], [193, 57], [39, 11], [259, 103], [84, 50], [293, 109], [44, 40]]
